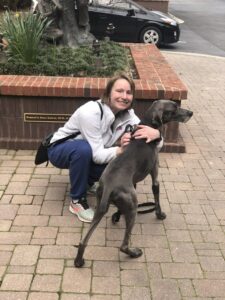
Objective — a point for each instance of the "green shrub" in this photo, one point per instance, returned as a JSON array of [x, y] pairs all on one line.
[[78, 62], [23, 32]]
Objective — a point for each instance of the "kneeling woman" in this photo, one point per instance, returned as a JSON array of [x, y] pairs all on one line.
[[101, 125]]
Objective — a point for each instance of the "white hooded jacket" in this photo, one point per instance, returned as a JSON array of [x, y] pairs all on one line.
[[100, 133]]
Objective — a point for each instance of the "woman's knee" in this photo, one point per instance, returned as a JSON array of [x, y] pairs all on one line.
[[83, 150]]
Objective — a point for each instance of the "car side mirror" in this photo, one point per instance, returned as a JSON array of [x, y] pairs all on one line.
[[130, 12]]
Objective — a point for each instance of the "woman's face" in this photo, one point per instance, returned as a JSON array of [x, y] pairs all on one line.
[[121, 96]]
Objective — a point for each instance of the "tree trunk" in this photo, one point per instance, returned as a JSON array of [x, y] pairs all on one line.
[[73, 35]]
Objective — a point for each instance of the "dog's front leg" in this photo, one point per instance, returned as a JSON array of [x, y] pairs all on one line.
[[159, 214], [155, 190]]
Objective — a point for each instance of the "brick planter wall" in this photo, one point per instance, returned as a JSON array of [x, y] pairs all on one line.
[[20, 95]]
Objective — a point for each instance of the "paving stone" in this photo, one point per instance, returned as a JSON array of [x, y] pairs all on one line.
[[212, 264], [27, 220], [68, 239], [165, 289], [134, 278], [43, 296], [46, 283], [106, 269], [8, 212], [214, 236], [55, 193], [103, 297], [151, 241], [135, 293], [101, 253], [154, 270], [98, 237], [21, 177], [181, 270], [2, 271], [5, 257], [183, 252], [45, 232], [209, 288], [42, 242], [16, 282], [73, 296], [153, 229], [50, 266], [70, 221], [178, 235], [21, 269], [106, 285], [22, 199], [5, 225], [25, 255], [14, 238], [158, 255], [58, 252], [186, 288], [13, 295], [36, 191], [52, 208], [5, 199], [16, 188], [29, 210], [39, 182], [5, 179], [82, 276]]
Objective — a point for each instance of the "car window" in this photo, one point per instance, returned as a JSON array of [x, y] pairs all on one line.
[[118, 4]]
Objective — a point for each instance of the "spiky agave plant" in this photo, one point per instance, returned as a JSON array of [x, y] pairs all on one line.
[[23, 32]]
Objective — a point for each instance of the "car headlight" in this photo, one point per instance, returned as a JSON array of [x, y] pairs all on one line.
[[169, 21]]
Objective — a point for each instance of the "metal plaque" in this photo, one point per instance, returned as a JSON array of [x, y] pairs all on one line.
[[46, 118]]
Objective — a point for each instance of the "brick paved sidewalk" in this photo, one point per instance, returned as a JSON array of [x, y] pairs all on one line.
[[183, 255]]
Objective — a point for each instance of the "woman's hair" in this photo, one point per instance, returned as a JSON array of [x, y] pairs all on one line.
[[106, 95]]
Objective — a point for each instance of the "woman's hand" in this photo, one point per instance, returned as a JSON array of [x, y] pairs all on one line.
[[125, 139], [146, 132]]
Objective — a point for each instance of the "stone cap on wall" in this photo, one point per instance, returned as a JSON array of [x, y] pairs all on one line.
[[157, 80]]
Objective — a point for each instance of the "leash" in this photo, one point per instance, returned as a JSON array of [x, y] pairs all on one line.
[[146, 210]]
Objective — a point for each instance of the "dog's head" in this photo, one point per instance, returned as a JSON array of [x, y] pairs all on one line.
[[164, 111]]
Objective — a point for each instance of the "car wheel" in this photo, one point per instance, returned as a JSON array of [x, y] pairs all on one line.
[[151, 35]]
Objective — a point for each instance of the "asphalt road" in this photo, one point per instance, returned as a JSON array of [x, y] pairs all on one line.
[[203, 30]]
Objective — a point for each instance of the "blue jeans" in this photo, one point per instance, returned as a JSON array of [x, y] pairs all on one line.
[[76, 155]]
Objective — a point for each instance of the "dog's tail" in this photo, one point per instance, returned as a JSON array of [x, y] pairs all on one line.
[[104, 201]]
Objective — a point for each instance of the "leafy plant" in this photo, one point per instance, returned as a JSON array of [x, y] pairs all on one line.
[[74, 62], [23, 32]]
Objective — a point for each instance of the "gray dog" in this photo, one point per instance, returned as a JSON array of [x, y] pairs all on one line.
[[118, 181]]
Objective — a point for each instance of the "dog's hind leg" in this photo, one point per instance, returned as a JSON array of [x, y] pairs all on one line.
[[79, 261], [155, 189], [130, 211]]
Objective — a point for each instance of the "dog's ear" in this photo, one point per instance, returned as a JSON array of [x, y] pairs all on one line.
[[156, 119]]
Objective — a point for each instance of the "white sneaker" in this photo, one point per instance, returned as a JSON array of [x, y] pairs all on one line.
[[82, 210]]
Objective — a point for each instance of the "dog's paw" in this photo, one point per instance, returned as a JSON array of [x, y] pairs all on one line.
[[132, 252], [161, 216], [115, 217], [78, 263], [135, 252]]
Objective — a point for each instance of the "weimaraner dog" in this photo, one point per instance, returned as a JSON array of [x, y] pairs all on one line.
[[118, 181]]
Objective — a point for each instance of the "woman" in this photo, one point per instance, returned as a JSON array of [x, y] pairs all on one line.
[[101, 139]]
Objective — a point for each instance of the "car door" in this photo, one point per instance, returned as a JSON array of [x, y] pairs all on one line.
[[115, 15]]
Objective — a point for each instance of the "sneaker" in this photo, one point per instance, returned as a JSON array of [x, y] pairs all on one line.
[[82, 210], [91, 190]]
